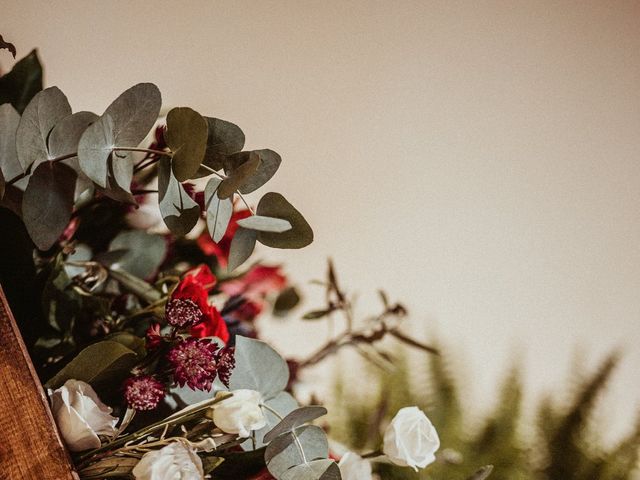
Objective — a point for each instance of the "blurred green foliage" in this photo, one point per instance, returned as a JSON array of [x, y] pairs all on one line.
[[563, 446]]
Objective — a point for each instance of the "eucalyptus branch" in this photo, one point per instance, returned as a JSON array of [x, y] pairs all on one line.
[[223, 177], [293, 432]]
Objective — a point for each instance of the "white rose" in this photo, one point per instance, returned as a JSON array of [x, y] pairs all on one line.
[[354, 467], [81, 416], [411, 440], [174, 461], [240, 413]]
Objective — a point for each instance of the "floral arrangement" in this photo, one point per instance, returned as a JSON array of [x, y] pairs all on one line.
[[147, 341]]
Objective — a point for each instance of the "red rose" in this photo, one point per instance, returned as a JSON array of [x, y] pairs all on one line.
[[194, 287], [213, 325], [258, 282]]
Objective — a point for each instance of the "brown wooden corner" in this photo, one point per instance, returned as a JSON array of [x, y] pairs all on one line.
[[30, 446]]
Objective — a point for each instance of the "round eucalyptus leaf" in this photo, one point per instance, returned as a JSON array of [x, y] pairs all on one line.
[[269, 164], [225, 138], [258, 367], [218, 210], [294, 419], [238, 176], [317, 470], [186, 136], [242, 245], [66, 134], [145, 252], [48, 202], [9, 120], [45, 109], [179, 211], [124, 124], [265, 224], [275, 205], [283, 452]]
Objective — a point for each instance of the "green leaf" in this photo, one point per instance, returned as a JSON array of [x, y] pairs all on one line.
[[269, 164], [111, 466], [129, 340], [66, 134], [124, 124], [145, 252], [219, 211], [9, 120], [186, 136], [287, 300], [275, 205], [482, 474], [225, 138], [98, 364], [265, 224], [238, 176], [48, 202], [242, 245], [283, 452], [295, 419], [24, 80], [258, 367], [46, 109], [179, 211], [316, 314], [317, 470]]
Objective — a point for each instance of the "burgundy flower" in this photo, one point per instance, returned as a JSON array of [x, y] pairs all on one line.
[[143, 393], [195, 363], [226, 363], [154, 337], [183, 312]]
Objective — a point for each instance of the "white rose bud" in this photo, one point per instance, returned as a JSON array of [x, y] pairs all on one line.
[[81, 416], [354, 467], [176, 460], [411, 440], [240, 413]]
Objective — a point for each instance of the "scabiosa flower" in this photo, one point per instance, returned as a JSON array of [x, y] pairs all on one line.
[[226, 363], [143, 393], [195, 363], [183, 312]]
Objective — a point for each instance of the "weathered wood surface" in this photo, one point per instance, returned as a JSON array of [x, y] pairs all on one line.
[[30, 447]]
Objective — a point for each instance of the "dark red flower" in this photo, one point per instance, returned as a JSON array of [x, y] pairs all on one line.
[[195, 363], [154, 337], [143, 393], [262, 475], [221, 249], [183, 312], [193, 291], [226, 363]]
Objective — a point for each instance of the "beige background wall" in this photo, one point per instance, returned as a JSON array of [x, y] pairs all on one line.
[[479, 159]]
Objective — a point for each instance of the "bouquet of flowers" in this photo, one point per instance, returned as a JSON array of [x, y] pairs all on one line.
[[146, 338]]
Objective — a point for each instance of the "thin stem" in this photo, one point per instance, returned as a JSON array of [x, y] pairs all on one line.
[[143, 150], [245, 202], [217, 174], [374, 454], [53, 160]]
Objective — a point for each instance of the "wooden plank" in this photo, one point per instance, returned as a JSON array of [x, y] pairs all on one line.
[[30, 446]]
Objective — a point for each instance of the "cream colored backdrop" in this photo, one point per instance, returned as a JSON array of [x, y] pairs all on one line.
[[479, 159]]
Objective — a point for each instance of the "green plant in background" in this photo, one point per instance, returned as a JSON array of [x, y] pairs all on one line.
[[564, 447]]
